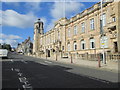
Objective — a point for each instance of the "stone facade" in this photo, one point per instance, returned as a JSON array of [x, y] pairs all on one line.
[[25, 47], [81, 34]]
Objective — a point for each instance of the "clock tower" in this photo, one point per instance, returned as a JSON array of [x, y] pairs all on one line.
[[38, 31]]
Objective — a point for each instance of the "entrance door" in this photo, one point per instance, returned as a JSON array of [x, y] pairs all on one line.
[[48, 53], [116, 46]]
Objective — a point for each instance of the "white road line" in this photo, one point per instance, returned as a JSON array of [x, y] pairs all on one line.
[[20, 79], [11, 60], [24, 61], [48, 62], [12, 69], [23, 80], [43, 63], [17, 70], [27, 86], [20, 74]]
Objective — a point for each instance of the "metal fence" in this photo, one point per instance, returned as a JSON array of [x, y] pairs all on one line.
[[108, 57], [113, 57]]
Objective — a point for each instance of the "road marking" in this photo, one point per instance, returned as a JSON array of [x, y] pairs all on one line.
[[43, 63], [17, 70], [23, 79], [24, 61], [27, 86], [48, 62], [11, 60], [20, 74], [12, 69]]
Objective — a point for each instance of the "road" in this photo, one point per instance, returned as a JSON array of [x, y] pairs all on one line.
[[19, 71]]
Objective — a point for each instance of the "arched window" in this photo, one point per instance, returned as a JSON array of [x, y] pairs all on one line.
[[82, 44], [92, 43], [75, 45]]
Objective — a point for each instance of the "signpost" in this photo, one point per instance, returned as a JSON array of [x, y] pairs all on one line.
[[102, 32]]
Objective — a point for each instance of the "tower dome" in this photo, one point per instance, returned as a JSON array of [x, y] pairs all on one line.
[[38, 21]]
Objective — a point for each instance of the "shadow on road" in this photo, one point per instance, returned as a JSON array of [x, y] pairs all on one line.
[[49, 76]]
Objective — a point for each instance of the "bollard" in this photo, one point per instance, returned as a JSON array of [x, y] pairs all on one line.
[[56, 56], [71, 59], [99, 62], [46, 56]]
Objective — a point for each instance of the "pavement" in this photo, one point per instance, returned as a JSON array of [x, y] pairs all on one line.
[[109, 66]]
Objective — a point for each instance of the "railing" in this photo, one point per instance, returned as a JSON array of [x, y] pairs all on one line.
[[108, 57], [113, 57], [88, 56]]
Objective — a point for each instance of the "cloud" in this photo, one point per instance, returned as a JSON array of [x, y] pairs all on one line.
[[13, 43], [12, 18], [63, 9], [9, 39], [58, 10], [12, 37], [21, 0], [33, 6]]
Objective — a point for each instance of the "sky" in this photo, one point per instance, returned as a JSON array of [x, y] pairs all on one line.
[[18, 17]]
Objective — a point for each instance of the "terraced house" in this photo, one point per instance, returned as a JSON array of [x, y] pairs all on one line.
[[81, 35]]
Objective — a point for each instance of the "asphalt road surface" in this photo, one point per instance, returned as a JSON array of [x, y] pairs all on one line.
[[23, 72]]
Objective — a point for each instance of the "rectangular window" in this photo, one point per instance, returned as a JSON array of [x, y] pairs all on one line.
[[68, 32], [113, 19], [92, 24], [62, 47], [68, 47], [104, 19], [75, 30], [83, 27]]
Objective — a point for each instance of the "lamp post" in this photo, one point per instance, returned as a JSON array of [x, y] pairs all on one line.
[[102, 32]]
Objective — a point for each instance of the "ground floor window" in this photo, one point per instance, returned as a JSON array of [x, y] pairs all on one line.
[[92, 43], [75, 46], [82, 45]]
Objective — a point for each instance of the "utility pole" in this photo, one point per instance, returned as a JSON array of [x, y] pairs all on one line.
[[102, 32]]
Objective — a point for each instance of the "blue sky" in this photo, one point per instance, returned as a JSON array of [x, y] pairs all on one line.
[[18, 17]]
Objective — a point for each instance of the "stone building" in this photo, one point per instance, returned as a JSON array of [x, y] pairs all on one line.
[[81, 34], [26, 47]]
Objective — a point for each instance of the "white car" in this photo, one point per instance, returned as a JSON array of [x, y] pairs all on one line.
[[3, 53]]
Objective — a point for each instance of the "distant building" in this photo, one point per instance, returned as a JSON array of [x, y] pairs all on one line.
[[81, 34], [25, 47]]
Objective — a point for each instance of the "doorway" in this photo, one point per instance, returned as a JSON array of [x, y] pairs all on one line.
[[115, 46], [48, 53]]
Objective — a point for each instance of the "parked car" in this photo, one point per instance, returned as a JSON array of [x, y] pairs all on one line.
[[3, 53]]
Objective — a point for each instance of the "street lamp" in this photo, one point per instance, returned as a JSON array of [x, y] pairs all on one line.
[[102, 32]]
